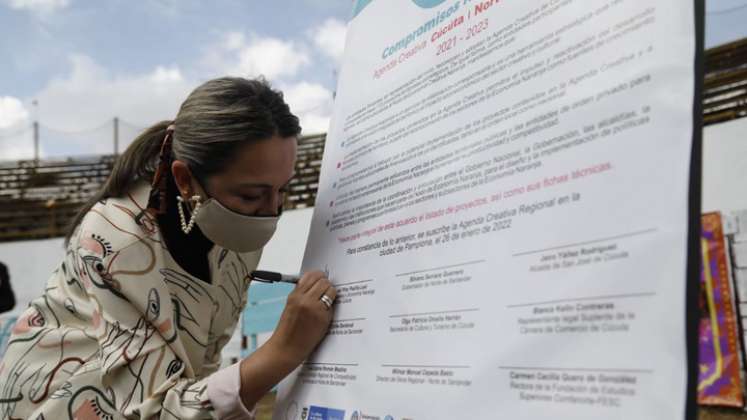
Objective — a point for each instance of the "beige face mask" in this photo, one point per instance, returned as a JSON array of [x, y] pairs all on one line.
[[234, 231]]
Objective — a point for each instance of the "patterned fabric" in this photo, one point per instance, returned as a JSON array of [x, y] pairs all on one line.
[[121, 329]]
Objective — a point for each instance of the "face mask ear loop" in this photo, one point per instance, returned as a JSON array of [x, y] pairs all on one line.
[[202, 187]]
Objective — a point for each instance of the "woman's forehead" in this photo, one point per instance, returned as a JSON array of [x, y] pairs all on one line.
[[270, 162]]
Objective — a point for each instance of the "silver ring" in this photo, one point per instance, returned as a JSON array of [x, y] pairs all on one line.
[[326, 301]]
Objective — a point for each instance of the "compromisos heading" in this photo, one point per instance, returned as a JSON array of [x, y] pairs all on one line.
[[421, 30]]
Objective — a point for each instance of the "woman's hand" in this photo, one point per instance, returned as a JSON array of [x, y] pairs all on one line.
[[305, 319], [303, 323]]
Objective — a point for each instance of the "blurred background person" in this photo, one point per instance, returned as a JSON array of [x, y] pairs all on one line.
[[7, 298]]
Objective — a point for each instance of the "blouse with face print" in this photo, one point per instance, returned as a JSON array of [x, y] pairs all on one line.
[[121, 329]]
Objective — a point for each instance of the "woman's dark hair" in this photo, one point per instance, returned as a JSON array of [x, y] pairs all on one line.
[[215, 120]]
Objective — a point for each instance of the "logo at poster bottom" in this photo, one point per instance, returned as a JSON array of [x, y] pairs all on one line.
[[325, 413]]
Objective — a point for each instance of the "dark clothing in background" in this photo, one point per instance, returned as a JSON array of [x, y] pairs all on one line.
[[7, 298]]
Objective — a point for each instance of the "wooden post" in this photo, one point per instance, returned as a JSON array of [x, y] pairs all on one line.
[[36, 141]]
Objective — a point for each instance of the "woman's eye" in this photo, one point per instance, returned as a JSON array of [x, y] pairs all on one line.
[[249, 198]]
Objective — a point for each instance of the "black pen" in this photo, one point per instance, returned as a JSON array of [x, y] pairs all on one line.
[[273, 277]]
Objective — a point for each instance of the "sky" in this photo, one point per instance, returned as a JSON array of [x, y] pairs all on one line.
[[73, 65]]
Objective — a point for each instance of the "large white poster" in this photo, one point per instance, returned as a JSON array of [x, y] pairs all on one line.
[[504, 210]]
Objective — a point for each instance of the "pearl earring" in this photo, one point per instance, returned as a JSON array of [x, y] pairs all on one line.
[[187, 226]]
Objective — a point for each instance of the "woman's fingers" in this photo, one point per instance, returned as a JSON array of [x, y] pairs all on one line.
[[328, 297], [313, 285], [308, 280], [331, 292], [318, 289]]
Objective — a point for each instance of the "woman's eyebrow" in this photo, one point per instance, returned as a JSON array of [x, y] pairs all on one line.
[[265, 186]]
